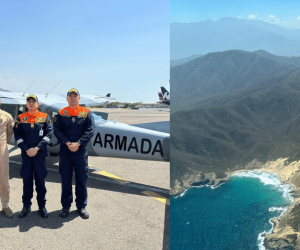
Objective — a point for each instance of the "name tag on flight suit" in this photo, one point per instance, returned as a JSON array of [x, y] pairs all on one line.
[[41, 132]]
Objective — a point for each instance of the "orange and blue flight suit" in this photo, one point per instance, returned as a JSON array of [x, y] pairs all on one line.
[[74, 125], [33, 130]]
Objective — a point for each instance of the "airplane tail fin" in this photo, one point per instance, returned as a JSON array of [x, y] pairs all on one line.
[[163, 90]]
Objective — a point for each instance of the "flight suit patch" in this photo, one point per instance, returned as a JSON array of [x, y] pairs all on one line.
[[73, 119], [32, 125], [40, 119], [82, 115], [24, 120]]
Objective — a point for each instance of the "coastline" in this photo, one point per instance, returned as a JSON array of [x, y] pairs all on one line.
[[285, 231]]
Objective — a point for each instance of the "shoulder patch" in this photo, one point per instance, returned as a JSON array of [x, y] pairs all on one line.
[[41, 119], [24, 119], [82, 115], [64, 113]]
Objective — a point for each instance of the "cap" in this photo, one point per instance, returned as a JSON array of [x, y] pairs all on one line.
[[32, 96], [73, 91]]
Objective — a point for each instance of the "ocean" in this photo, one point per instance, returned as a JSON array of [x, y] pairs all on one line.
[[234, 215]]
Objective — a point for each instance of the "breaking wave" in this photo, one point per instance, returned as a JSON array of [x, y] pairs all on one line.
[[274, 180], [200, 186]]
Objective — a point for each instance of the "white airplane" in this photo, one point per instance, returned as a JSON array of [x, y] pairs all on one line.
[[111, 138]]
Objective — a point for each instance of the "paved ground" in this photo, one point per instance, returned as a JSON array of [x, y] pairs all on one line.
[[136, 116], [128, 205]]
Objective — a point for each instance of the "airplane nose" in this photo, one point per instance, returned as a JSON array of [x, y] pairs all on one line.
[[166, 149]]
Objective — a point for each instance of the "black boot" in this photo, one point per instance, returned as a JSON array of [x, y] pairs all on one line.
[[64, 212], [43, 212], [24, 212], [83, 213]]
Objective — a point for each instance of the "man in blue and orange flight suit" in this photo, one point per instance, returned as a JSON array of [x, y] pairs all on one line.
[[33, 131], [74, 126]]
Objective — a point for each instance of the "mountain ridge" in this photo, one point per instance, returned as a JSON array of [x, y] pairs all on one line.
[[203, 37]]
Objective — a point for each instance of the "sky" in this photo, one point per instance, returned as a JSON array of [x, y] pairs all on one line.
[[283, 13], [120, 47]]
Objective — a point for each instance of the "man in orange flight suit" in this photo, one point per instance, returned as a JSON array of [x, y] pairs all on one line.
[[33, 131], [74, 126], [6, 133]]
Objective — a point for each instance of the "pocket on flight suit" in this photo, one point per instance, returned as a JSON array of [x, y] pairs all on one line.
[[38, 127], [66, 120], [26, 127], [81, 122]]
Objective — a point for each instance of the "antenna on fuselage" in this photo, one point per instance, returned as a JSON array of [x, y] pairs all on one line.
[[51, 90], [115, 120], [28, 87]]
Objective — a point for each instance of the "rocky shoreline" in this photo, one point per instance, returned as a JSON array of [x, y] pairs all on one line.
[[286, 229]]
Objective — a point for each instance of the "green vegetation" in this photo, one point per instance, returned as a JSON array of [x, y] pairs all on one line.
[[124, 104], [238, 107]]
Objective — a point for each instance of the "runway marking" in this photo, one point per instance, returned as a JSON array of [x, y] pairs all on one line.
[[157, 197], [109, 175]]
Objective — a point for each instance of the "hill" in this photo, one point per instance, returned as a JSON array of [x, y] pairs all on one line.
[[188, 39]]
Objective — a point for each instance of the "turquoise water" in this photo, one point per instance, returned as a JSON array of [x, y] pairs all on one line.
[[231, 216]]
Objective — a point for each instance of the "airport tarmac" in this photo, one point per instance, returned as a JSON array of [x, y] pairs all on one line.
[[142, 115], [128, 203]]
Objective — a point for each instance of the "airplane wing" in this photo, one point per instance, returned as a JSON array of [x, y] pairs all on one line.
[[87, 100], [12, 98], [95, 100]]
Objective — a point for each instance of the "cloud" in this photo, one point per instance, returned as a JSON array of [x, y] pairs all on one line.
[[272, 19], [240, 16], [298, 18], [252, 17]]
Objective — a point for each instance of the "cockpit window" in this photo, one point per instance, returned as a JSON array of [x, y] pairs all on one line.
[[11, 109], [97, 117]]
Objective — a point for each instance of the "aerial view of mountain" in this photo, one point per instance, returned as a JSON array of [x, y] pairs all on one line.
[[200, 38], [236, 110], [183, 60], [224, 72]]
